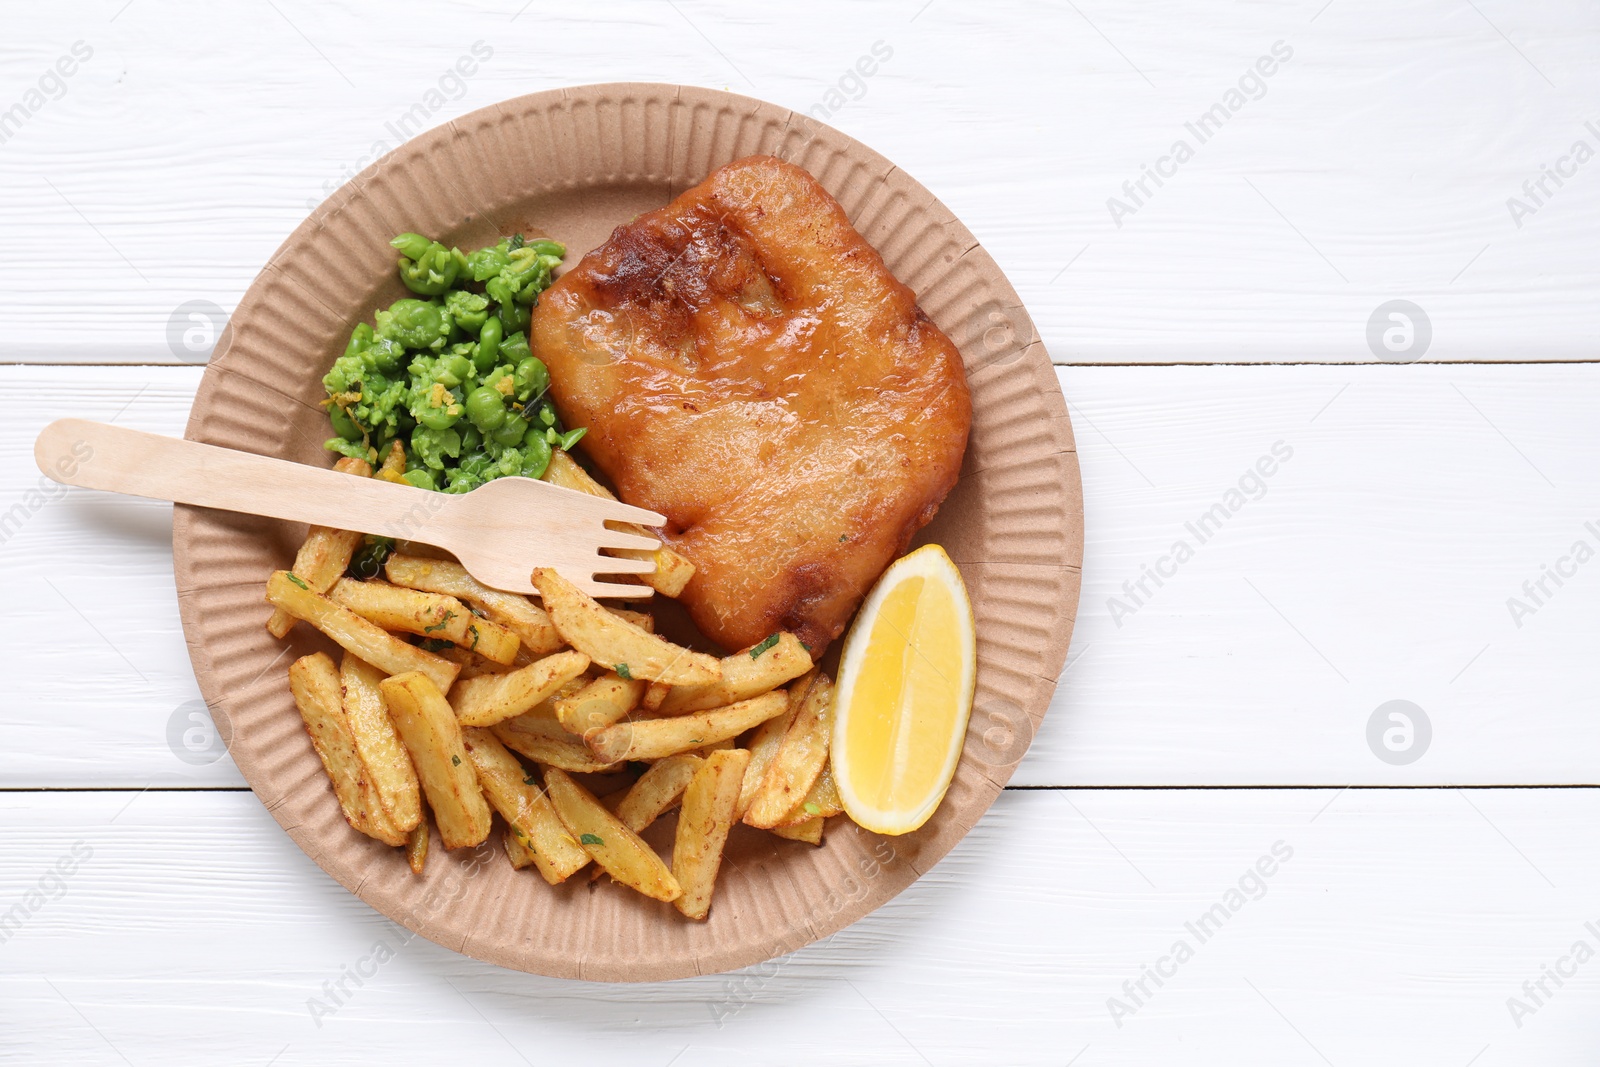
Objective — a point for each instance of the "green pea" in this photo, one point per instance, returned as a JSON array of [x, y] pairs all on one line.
[[531, 378], [488, 344], [343, 375], [430, 272], [523, 267], [414, 323], [535, 453], [510, 431], [486, 408], [384, 354], [353, 449], [514, 349], [360, 339], [467, 335], [467, 309], [486, 263], [437, 418], [343, 424], [517, 318], [430, 446], [503, 290], [454, 370], [421, 477], [534, 278], [411, 245]]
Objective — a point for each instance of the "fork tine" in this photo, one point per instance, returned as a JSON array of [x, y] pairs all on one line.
[[615, 589], [617, 511], [625, 539], [622, 565]]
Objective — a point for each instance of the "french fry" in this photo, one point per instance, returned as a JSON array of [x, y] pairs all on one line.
[[766, 740], [656, 791], [432, 734], [673, 569], [672, 573], [324, 554], [602, 702], [716, 746], [643, 620], [613, 846], [518, 853], [395, 607], [314, 682], [517, 613], [388, 766], [499, 644], [491, 698], [545, 713], [353, 633], [539, 736], [655, 696], [821, 803], [809, 831], [616, 643], [653, 738], [417, 846], [707, 814], [569, 756], [514, 793], [825, 795], [472, 664], [799, 760], [743, 676]]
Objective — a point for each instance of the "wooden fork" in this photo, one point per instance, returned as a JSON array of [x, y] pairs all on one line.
[[499, 531]]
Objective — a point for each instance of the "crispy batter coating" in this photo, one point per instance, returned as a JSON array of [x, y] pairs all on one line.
[[748, 367]]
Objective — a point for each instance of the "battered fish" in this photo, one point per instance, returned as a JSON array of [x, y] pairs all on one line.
[[748, 367]]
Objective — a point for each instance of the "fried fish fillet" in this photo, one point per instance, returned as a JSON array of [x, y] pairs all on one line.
[[748, 367]]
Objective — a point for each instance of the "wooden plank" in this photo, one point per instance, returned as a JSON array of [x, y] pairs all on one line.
[[1373, 569], [1394, 933], [1376, 162], [1374, 564], [94, 613]]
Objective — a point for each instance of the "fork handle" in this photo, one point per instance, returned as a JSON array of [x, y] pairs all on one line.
[[95, 455]]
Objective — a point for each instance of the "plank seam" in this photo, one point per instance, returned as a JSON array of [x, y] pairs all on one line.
[[1009, 788]]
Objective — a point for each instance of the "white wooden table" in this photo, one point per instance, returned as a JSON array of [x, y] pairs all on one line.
[[1207, 724]]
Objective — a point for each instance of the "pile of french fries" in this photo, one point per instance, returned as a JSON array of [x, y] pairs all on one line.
[[446, 687]]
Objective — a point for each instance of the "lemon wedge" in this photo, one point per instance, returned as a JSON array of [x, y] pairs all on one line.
[[906, 677]]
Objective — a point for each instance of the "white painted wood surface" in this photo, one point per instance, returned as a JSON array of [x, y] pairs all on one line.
[[1393, 935], [1377, 566], [1376, 164]]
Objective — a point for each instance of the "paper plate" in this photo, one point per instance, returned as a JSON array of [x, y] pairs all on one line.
[[573, 164]]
